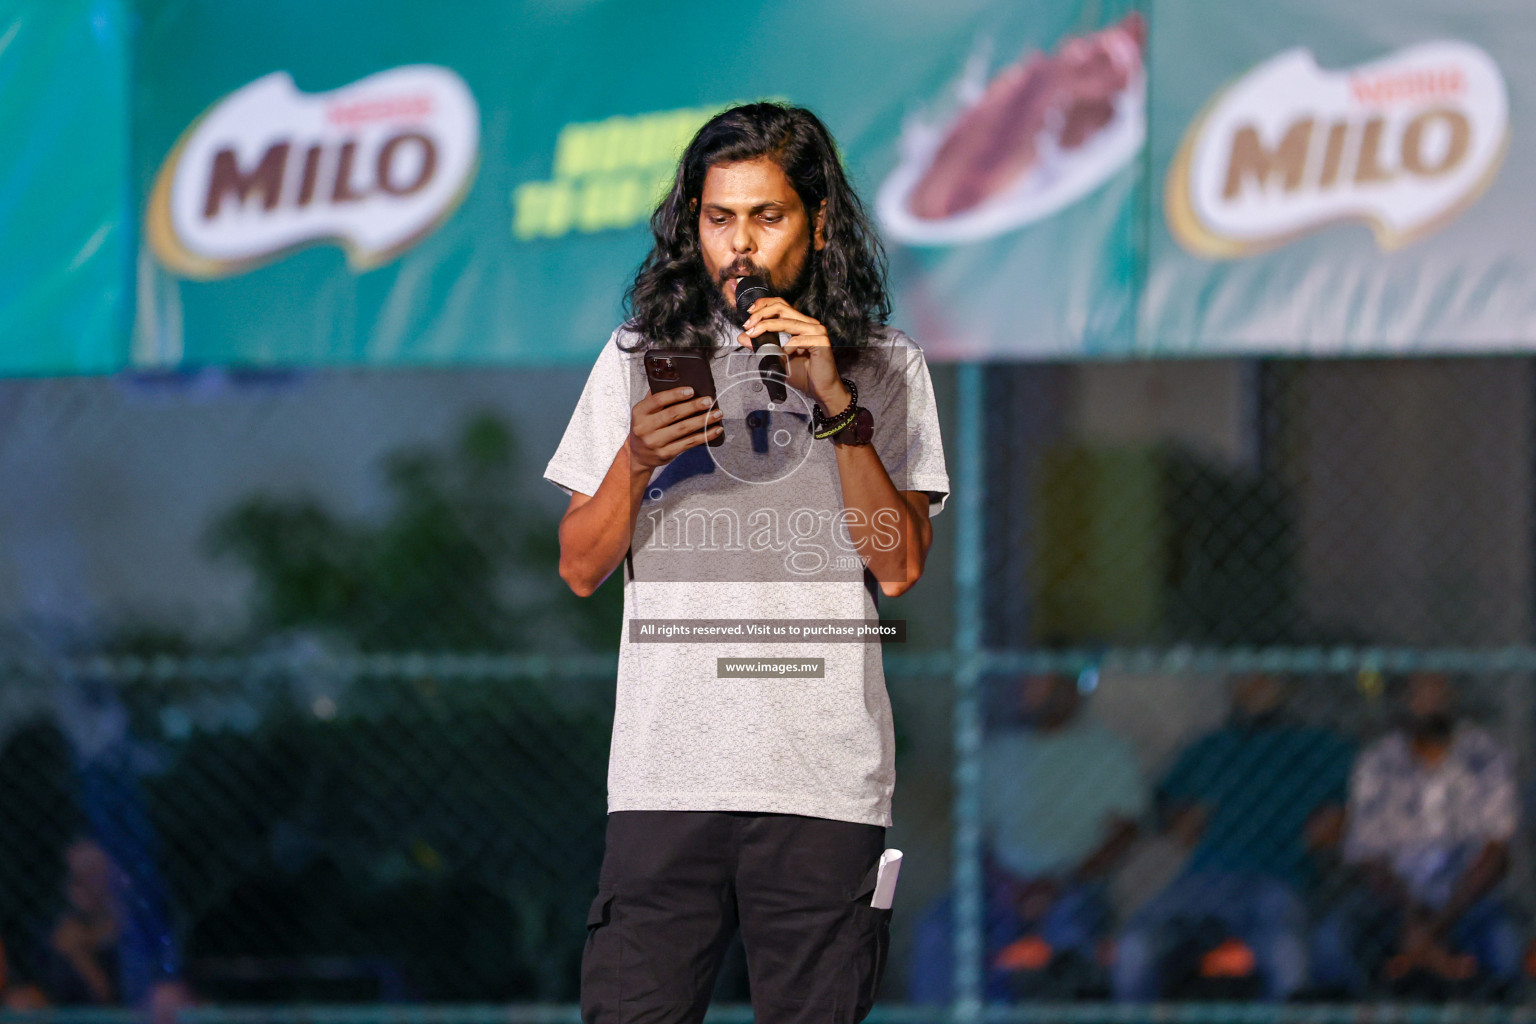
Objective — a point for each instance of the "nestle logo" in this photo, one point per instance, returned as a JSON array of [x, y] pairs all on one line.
[[1408, 86], [385, 108]]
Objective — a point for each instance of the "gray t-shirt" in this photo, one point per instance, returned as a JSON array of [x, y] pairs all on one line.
[[751, 530]]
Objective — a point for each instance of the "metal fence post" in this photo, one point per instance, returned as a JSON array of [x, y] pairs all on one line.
[[970, 497]]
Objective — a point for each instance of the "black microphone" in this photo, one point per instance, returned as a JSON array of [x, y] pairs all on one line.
[[770, 363]]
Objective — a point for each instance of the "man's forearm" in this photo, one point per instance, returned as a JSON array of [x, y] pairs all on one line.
[[595, 534], [1119, 835], [882, 513]]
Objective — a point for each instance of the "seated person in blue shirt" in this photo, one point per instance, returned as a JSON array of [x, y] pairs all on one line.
[[1062, 799], [1251, 799]]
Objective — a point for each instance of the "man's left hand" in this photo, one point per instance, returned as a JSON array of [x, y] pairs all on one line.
[[808, 351]]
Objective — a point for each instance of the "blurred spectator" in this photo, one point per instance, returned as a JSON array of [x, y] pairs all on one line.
[[107, 763], [97, 923], [1062, 798], [1432, 809], [81, 961], [37, 798], [16, 994], [1253, 799]]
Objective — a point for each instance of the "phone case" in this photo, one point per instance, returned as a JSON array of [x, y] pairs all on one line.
[[665, 370]]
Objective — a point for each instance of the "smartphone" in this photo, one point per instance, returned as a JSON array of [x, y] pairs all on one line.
[[666, 370]]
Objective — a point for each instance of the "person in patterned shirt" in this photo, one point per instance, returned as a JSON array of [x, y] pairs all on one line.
[[1432, 809]]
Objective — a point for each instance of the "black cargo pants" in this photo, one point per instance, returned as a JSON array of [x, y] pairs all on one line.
[[675, 886]]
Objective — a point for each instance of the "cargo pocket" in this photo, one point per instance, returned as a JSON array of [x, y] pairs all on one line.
[[599, 963], [872, 926]]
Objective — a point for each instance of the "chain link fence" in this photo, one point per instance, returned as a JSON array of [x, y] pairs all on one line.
[[298, 830], [295, 712]]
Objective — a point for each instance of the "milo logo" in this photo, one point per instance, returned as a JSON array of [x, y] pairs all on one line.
[[374, 166], [1403, 144]]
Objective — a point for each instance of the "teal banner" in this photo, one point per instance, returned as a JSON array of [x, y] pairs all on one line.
[[520, 246], [343, 183], [1342, 177], [66, 214]]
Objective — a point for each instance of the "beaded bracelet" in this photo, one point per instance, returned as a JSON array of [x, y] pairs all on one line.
[[821, 426]]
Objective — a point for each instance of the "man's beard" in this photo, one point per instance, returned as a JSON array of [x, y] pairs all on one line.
[[1432, 728], [1255, 721], [747, 267]]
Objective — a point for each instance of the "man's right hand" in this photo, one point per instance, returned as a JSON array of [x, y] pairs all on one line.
[[663, 426]]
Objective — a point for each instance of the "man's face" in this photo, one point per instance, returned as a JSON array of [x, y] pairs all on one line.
[[88, 884], [1048, 701], [1430, 699], [1429, 695], [1257, 696], [751, 221]]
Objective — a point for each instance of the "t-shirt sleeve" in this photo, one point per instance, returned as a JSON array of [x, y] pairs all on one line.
[[994, 769], [1496, 814], [597, 428], [1368, 819], [907, 429], [1188, 781], [1335, 771], [1125, 789]]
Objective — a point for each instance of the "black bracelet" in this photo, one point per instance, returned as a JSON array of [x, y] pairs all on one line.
[[820, 419], [837, 426]]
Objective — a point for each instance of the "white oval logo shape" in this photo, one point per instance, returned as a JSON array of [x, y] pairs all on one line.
[[375, 166], [1043, 133], [1404, 144]]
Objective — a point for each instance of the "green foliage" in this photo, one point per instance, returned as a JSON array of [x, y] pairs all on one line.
[[35, 764], [459, 562], [445, 834]]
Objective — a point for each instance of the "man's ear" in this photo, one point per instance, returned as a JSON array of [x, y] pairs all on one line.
[[818, 236]]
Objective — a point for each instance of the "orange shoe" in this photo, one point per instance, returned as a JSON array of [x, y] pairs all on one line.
[[1231, 959], [1031, 953]]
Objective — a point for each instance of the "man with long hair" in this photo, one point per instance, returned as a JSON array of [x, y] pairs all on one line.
[[747, 789]]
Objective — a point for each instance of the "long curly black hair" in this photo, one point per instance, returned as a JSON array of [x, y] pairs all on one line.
[[673, 301]]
